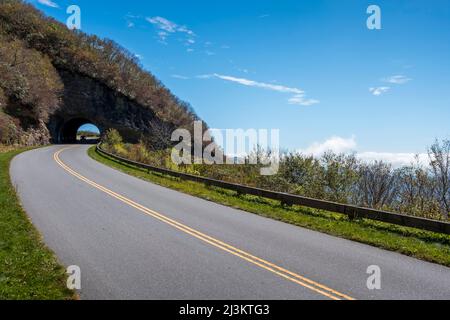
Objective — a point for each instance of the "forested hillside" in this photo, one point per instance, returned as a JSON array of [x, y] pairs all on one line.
[[34, 47]]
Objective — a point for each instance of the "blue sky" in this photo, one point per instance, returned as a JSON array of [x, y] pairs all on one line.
[[309, 68]]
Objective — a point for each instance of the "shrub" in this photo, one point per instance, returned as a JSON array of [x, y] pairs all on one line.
[[113, 142], [9, 133]]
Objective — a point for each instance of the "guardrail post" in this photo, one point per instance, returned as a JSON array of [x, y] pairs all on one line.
[[285, 203], [351, 213]]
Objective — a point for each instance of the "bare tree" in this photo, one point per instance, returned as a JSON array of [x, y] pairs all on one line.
[[160, 137], [417, 190], [439, 154], [378, 185]]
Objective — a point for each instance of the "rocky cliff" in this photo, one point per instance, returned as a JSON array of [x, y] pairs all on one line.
[[86, 100]]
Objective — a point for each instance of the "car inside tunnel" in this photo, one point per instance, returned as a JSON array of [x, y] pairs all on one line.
[[79, 131]]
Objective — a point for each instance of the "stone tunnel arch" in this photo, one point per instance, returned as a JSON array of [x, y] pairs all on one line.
[[85, 100]]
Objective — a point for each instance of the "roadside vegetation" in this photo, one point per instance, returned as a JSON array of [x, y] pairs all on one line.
[[419, 189], [424, 245], [28, 269]]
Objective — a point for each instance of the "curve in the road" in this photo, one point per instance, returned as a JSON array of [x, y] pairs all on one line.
[[286, 274], [136, 240]]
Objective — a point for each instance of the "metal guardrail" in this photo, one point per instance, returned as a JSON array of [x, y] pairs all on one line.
[[290, 199]]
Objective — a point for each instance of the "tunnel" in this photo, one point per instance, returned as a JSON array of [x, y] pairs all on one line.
[[85, 100], [69, 130]]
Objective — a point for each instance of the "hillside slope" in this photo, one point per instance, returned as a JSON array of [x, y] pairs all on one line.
[[35, 50]]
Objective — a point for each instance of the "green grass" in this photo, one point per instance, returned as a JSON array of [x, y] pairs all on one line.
[[420, 244], [28, 269]]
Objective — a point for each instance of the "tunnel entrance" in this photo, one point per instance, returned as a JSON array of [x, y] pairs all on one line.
[[88, 134], [79, 130]]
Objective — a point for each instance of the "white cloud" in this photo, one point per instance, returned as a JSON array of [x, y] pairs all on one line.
[[349, 145], [204, 76], [178, 76], [186, 30], [378, 91], [299, 94], [167, 27], [48, 3], [396, 159], [163, 35], [399, 79], [131, 20], [335, 144], [299, 99], [242, 70], [163, 24], [251, 83], [396, 80]]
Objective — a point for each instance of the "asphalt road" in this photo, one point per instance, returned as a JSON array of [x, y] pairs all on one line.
[[135, 240]]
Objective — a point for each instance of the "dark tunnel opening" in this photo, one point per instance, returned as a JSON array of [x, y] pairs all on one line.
[[79, 131]]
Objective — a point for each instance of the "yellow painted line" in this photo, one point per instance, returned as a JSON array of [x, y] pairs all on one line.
[[288, 275]]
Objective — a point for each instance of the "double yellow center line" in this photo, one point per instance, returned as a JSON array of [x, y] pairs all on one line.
[[286, 274]]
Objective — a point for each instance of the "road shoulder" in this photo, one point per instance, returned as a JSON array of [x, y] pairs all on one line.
[[28, 269]]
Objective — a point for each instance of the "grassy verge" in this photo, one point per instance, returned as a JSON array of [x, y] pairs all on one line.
[[420, 244], [28, 270]]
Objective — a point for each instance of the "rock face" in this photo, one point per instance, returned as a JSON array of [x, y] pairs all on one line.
[[87, 101]]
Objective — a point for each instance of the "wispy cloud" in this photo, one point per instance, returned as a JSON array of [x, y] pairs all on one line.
[[393, 80], [301, 100], [167, 27], [163, 24], [378, 91], [178, 76], [252, 83], [131, 20], [242, 70], [48, 3], [398, 79], [299, 97]]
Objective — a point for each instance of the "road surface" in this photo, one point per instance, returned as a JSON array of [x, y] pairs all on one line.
[[136, 240]]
